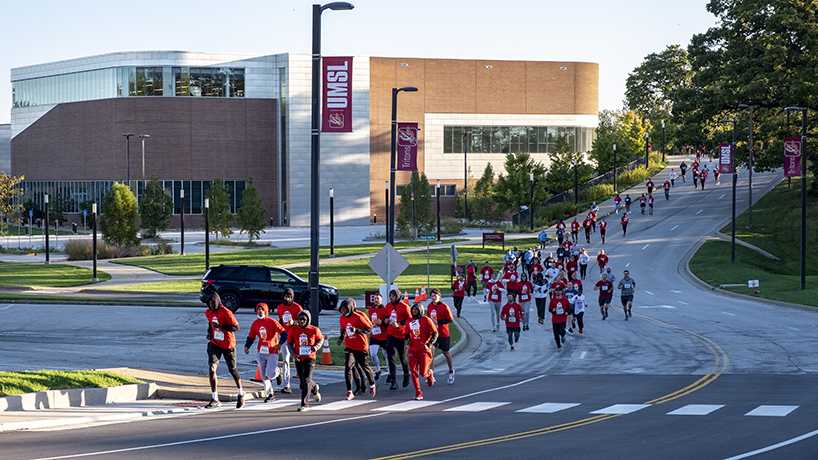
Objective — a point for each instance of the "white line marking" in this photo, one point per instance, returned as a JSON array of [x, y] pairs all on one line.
[[343, 404], [696, 409], [271, 405], [656, 306], [6, 307], [771, 411], [774, 446], [645, 246], [700, 210], [215, 438], [476, 407], [731, 314], [494, 389], [676, 292], [648, 292], [794, 328], [548, 408], [407, 406], [683, 303], [621, 409], [674, 228], [722, 196], [627, 265], [582, 355]]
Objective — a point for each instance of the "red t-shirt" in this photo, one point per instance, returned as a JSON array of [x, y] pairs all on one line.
[[287, 315], [525, 290], [439, 312], [650, 201], [222, 317], [397, 314], [567, 245], [703, 176], [571, 266], [559, 309], [642, 200], [495, 295], [591, 215], [511, 282], [666, 185], [603, 225], [376, 315], [574, 226], [602, 260], [624, 219], [485, 274], [512, 314], [357, 320], [536, 268], [561, 225], [509, 267], [577, 283], [559, 266], [471, 275], [267, 331], [304, 339], [605, 289], [561, 283], [650, 184], [587, 223], [458, 288], [419, 331]]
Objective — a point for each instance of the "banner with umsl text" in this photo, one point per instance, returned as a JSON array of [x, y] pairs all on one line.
[[407, 147], [725, 159], [336, 112]]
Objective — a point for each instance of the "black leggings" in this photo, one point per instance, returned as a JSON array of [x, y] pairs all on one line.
[[583, 269], [559, 332], [471, 286], [580, 322], [304, 369], [540, 307], [396, 347], [458, 304], [356, 360]]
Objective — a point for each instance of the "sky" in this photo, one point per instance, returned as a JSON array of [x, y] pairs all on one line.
[[616, 35]]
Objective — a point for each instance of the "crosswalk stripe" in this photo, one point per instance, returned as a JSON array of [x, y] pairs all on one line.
[[696, 409], [344, 404], [621, 409], [771, 411], [476, 407], [548, 408], [270, 405], [407, 406]]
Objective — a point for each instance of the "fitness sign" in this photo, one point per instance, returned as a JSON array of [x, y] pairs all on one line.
[[337, 110]]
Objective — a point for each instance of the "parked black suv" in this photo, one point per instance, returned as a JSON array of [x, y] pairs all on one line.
[[247, 285]]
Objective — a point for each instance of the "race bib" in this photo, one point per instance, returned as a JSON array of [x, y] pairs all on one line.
[[560, 310], [414, 326], [218, 334], [604, 288], [304, 350], [376, 330], [287, 317], [264, 349], [393, 318], [627, 285], [512, 319]]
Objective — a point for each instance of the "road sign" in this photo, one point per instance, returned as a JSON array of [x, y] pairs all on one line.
[[388, 263], [454, 253], [428, 237]]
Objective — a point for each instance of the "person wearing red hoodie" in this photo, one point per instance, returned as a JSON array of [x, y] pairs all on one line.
[[441, 316], [378, 337], [559, 308], [221, 337], [287, 312], [267, 330], [525, 292], [512, 314], [458, 293], [355, 329], [422, 334], [397, 311], [306, 340], [574, 230]]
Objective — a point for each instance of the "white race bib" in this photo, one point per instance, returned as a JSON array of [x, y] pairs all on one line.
[[627, 285], [304, 350], [264, 349], [376, 330], [512, 319], [604, 288], [218, 334], [287, 317], [560, 311]]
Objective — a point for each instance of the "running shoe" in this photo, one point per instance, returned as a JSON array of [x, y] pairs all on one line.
[[316, 394], [240, 401], [563, 339], [270, 397], [516, 338], [279, 377], [626, 316], [630, 313], [303, 409], [389, 378], [405, 380], [431, 379], [580, 331], [451, 377], [213, 404], [373, 389], [286, 390], [570, 330], [541, 321], [378, 376], [350, 396], [393, 386], [512, 348], [418, 395]]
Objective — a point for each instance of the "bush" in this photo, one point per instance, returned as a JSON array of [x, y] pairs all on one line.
[[451, 226], [596, 192], [83, 250], [161, 249], [552, 213]]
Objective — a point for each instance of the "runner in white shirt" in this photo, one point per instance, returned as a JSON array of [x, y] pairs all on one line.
[[578, 309]]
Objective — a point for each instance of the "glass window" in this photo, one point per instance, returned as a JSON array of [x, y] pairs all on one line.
[[256, 274], [476, 139], [447, 139], [457, 139]]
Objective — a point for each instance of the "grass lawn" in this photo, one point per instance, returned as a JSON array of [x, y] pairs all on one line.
[[193, 264], [15, 383], [169, 287], [58, 275]]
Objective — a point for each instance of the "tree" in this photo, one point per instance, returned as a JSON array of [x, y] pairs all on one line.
[[561, 171], [423, 206], [483, 210], [650, 89], [251, 213], [9, 197], [155, 209], [220, 215], [513, 189], [58, 206], [118, 220]]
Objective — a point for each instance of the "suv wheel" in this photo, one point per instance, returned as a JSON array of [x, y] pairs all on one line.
[[305, 302], [231, 301]]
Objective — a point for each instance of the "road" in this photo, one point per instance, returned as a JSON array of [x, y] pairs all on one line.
[[694, 374]]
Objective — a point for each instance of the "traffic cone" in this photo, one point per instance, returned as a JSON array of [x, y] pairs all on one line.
[[417, 295], [257, 378], [406, 296], [326, 354], [423, 293]]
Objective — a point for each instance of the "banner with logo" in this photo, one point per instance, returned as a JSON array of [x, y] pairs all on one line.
[[407, 147], [792, 156], [725, 158], [336, 112]]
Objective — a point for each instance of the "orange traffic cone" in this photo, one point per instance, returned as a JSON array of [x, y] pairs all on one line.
[[326, 354], [423, 293], [406, 296], [417, 295], [258, 378]]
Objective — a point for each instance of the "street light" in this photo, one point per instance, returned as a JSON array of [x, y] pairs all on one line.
[[735, 178], [207, 233], [614, 166], [315, 151], [393, 154], [531, 208], [331, 223], [664, 157], [94, 241], [143, 137], [576, 180], [47, 252], [803, 194], [182, 199], [437, 193], [128, 158], [750, 166], [647, 159]]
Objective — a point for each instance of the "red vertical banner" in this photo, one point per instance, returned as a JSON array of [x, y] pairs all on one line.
[[336, 112], [792, 156], [407, 147], [726, 158]]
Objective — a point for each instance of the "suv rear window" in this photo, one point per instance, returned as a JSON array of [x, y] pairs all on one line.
[[224, 273]]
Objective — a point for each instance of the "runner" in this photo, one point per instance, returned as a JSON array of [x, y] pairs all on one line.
[[559, 308], [485, 277], [287, 312], [495, 300], [578, 309], [716, 174], [572, 267], [267, 330], [306, 340], [549, 261], [355, 329], [592, 214], [610, 274], [441, 316], [422, 334], [624, 222], [695, 177], [398, 312], [587, 224], [378, 337], [603, 229], [703, 177], [542, 238], [617, 200], [536, 267], [221, 341], [627, 204], [667, 186], [650, 205], [627, 285], [560, 231], [605, 289], [512, 314], [458, 293], [471, 280], [524, 290], [574, 230], [583, 259], [650, 187], [602, 260], [642, 202], [672, 178], [683, 168], [540, 296]]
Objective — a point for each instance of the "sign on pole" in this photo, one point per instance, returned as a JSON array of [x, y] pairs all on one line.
[[388, 263], [792, 156], [726, 158], [337, 109], [407, 147]]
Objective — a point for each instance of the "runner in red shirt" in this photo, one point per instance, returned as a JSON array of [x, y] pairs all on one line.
[[574, 230], [355, 329], [624, 222], [536, 267], [221, 328], [525, 291], [605, 289], [458, 293], [471, 279], [703, 177], [287, 313], [398, 312], [666, 186], [377, 338], [566, 245], [512, 314], [422, 335], [650, 187], [559, 308], [571, 267], [485, 277], [510, 266], [587, 224], [267, 330], [650, 205], [441, 316], [603, 230], [602, 260], [642, 202], [305, 339], [495, 299], [511, 283]]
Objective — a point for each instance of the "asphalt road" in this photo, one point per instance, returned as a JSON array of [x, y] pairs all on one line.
[[693, 374]]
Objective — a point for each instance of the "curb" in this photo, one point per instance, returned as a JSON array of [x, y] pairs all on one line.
[[41, 424], [63, 399]]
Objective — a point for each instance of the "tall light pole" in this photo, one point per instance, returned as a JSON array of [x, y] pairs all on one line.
[[576, 183], [143, 137], [735, 178], [614, 166], [393, 159], [207, 233], [750, 165], [47, 249], [803, 194], [331, 222], [386, 208], [465, 135], [664, 157], [128, 158], [182, 199], [315, 151], [437, 193], [647, 159], [94, 277], [531, 211]]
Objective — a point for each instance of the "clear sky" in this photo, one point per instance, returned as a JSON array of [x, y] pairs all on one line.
[[616, 35]]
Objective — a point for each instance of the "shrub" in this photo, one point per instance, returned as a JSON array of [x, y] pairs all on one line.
[[596, 192], [83, 250], [161, 249], [451, 226], [552, 213]]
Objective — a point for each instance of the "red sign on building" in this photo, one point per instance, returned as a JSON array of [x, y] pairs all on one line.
[[792, 156], [336, 112], [726, 158], [407, 147]]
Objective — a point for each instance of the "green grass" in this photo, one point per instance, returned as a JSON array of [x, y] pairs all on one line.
[[58, 275], [12, 230], [168, 287], [244, 244], [15, 383], [193, 264]]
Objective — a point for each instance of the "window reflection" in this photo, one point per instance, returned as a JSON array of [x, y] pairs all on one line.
[[512, 139]]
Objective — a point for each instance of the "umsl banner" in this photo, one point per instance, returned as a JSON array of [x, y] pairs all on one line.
[[337, 110], [792, 156], [726, 158], [407, 147]]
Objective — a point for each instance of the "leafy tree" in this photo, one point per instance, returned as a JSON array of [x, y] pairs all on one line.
[[424, 221], [650, 89], [220, 215], [9, 194], [58, 206], [561, 171], [482, 209], [118, 219], [155, 209], [513, 189], [251, 212]]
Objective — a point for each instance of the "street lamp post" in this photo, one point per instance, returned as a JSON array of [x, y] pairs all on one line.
[[47, 249], [331, 223], [315, 151], [182, 199], [647, 159], [143, 137], [207, 233], [94, 240], [128, 158], [576, 183], [735, 179], [614, 166], [531, 210], [750, 166], [386, 208], [803, 194], [393, 159], [437, 193], [413, 231], [664, 157]]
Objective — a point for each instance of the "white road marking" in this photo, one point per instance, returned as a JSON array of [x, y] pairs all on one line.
[[582, 355], [656, 306], [683, 303], [340, 405], [407, 406], [771, 411], [722, 196], [794, 328], [648, 292], [774, 446], [676, 292], [494, 389], [271, 405], [645, 246], [674, 228], [476, 407], [627, 265], [696, 409], [731, 314], [6, 307], [548, 408], [621, 409], [700, 211]]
